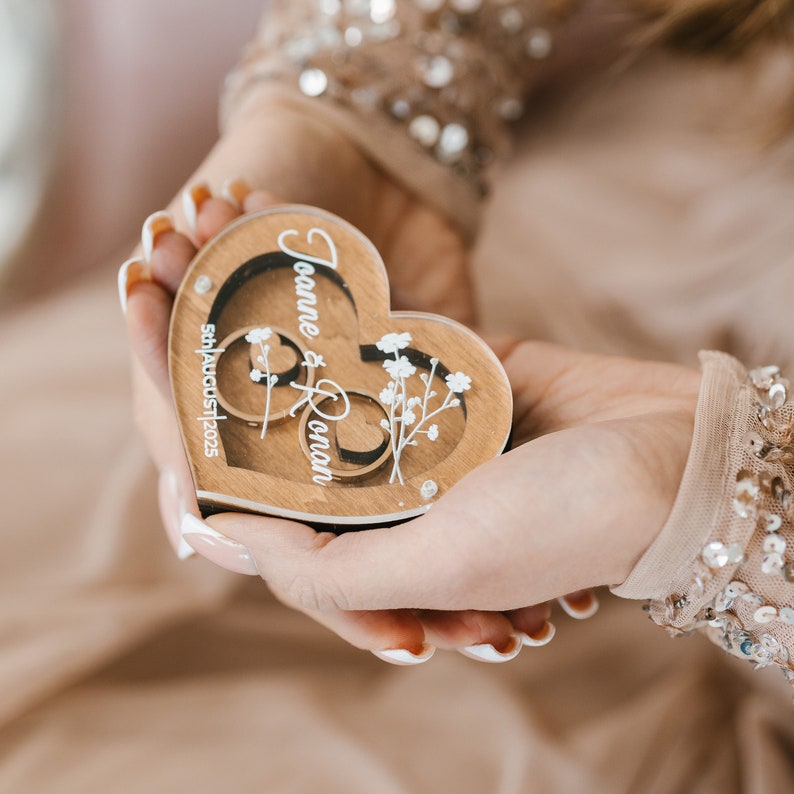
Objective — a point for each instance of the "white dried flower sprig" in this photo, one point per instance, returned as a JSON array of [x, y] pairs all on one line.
[[408, 415], [260, 336]]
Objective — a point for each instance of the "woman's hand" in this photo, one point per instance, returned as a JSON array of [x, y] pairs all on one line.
[[303, 162], [601, 448], [426, 255]]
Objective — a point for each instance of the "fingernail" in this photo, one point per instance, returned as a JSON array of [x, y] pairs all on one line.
[[217, 548], [235, 191], [542, 636], [131, 272], [192, 199], [172, 510], [581, 605], [400, 656], [487, 652], [153, 227]]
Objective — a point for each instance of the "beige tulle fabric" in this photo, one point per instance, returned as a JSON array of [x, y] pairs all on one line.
[[641, 215]]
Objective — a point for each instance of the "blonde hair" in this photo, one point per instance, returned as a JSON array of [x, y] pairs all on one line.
[[726, 26]]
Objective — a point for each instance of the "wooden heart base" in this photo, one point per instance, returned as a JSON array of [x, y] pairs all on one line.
[[300, 395]]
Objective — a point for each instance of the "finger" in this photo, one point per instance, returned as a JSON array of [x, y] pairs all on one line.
[[148, 315], [166, 250], [258, 200], [556, 388], [479, 635], [534, 623], [147, 285], [176, 498], [397, 636], [394, 635], [472, 550], [462, 628], [580, 605], [204, 213], [154, 416], [370, 569], [534, 369]]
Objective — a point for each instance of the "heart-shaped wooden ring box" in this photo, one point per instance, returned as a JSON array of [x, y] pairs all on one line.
[[300, 395]]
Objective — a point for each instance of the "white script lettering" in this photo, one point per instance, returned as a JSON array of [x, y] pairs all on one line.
[[209, 382]]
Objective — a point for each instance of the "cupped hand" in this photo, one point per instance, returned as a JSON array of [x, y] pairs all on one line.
[[601, 445], [425, 256]]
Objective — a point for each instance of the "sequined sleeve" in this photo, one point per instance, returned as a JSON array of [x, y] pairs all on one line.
[[427, 88], [724, 564]]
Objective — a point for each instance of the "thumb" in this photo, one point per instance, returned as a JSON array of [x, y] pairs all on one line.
[[403, 566]]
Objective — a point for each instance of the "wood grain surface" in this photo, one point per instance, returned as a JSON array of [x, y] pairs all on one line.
[[299, 394]]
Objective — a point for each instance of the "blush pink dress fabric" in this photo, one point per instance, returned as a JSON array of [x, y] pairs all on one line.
[[646, 213]]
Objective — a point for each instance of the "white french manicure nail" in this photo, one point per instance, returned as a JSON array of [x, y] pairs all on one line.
[[217, 548], [184, 550], [487, 653], [192, 199], [235, 191], [172, 510], [131, 272], [580, 609], [400, 656], [153, 226], [540, 638]]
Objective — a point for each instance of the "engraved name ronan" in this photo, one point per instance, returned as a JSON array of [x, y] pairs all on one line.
[[309, 328]]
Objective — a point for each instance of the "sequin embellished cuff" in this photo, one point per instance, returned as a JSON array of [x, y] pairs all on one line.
[[426, 88], [723, 564]]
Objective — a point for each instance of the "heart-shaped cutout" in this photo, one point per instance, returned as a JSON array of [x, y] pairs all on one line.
[[300, 395]]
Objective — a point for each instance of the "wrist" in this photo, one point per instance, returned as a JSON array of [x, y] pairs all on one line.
[[297, 156]]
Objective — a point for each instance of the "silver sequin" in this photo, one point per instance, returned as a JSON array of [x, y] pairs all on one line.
[[538, 43], [753, 442], [765, 614], [753, 600], [715, 555], [381, 11], [454, 139], [772, 522], [764, 377], [511, 20], [736, 589], [511, 109], [772, 563], [353, 36], [313, 82], [723, 601], [761, 655], [437, 71], [718, 555], [770, 643], [424, 129], [776, 396], [774, 544], [400, 109]]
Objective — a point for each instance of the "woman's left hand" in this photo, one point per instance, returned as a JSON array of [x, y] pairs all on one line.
[[601, 445]]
